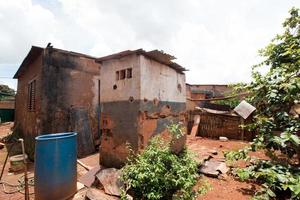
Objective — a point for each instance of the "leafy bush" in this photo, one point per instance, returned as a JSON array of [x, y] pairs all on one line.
[[274, 94], [176, 130], [158, 174], [276, 179]]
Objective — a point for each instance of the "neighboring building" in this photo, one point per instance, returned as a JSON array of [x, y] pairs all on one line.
[[58, 91], [138, 93], [7, 110], [205, 91], [141, 92]]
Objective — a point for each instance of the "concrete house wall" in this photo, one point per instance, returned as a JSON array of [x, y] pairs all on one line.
[[119, 108], [139, 107], [66, 97], [162, 99], [28, 123]]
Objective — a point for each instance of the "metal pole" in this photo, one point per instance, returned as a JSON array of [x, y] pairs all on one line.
[[25, 170]]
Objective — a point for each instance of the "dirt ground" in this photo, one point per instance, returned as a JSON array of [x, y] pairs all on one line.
[[226, 188]]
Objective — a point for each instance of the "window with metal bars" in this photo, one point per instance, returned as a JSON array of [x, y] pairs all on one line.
[[31, 96]]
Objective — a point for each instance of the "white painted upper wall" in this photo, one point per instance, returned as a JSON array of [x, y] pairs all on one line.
[[161, 82], [125, 88], [150, 80]]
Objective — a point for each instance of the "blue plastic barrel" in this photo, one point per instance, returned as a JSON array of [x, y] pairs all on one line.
[[55, 166]]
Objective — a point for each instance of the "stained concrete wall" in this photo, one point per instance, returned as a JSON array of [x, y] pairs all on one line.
[[28, 123], [161, 82], [67, 94], [163, 99], [138, 108], [119, 108], [214, 90], [70, 83]]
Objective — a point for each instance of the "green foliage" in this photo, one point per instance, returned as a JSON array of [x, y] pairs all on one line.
[[6, 92], [276, 179], [274, 94], [159, 174], [176, 129], [204, 188], [241, 154]]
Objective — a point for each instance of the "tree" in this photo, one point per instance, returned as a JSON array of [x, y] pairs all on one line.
[[6, 92], [275, 94]]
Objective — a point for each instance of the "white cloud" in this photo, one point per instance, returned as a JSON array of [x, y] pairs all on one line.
[[216, 40]]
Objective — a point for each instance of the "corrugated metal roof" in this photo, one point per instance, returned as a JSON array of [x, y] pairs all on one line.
[[156, 55]]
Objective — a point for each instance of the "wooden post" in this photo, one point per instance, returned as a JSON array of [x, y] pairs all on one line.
[[243, 130]]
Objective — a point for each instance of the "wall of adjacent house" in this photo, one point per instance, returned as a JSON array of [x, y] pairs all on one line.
[[70, 92], [28, 122]]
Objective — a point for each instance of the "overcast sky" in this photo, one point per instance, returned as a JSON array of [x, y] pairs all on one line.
[[217, 40]]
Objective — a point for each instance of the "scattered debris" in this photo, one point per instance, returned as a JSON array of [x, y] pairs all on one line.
[[207, 157], [80, 195], [95, 194], [213, 168], [84, 165], [110, 179], [80, 186], [213, 151], [223, 139], [244, 109], [89, 178]]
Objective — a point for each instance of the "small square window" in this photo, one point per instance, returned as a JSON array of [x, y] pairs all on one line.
[[129, 73], [122, 74], [117, 75]]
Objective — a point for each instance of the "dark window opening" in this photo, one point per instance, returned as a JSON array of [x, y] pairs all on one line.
[[122, 74], [129, 73], [115, 87], [31, 96], [117, 75], [179, 87]]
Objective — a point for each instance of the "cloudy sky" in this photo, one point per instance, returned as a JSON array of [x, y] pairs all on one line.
[[217, 40]]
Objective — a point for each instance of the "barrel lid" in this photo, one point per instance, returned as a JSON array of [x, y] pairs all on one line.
[[55, 136]]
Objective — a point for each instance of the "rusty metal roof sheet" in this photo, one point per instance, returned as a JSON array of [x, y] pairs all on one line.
[[156, 55], [244, 109]]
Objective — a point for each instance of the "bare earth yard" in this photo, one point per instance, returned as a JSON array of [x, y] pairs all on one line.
[[225, 188]]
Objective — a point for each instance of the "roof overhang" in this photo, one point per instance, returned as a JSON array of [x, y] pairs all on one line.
[[156, 55]]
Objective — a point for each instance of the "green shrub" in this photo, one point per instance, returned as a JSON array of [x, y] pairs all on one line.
[[275, 178], [158, 174]]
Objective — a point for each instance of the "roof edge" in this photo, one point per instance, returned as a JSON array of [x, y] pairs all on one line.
[[34, 51], [156, 55]]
